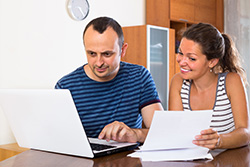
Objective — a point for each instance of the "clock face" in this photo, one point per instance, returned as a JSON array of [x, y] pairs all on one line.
[[78, 9]]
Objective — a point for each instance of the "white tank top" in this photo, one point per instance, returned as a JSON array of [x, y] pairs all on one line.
[[222, 119]]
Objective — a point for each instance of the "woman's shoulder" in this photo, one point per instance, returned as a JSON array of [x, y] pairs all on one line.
[[177, 78], [233, 82], [233, 77], [177, 81]]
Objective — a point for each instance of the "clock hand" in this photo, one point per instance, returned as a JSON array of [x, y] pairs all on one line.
[[80, 10]]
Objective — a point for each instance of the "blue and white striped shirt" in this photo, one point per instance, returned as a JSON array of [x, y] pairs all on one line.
[[121, 99]]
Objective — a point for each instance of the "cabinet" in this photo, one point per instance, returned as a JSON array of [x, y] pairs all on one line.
[[163, 12], [158, 12], [193, 11], [205, 11], [151, 46], [182, 10], [179, 14]]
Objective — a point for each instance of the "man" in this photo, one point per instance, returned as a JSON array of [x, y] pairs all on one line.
[[111, 96]]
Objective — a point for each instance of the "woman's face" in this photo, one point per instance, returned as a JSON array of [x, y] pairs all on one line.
[[193, 63]]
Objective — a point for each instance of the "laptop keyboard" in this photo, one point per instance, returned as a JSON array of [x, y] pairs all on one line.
[[99, 147]]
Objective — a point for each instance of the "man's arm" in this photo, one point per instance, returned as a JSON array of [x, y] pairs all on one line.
[[120, 132], [147, 115]]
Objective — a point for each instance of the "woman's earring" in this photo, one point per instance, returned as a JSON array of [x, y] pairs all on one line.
[[211, 70]]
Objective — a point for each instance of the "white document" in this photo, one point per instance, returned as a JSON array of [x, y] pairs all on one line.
[[176, 129], [173, 154], [171, 134]]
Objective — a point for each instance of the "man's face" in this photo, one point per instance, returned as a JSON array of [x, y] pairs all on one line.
[[103, 54]]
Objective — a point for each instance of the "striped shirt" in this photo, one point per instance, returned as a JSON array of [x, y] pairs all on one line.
[[222, 119], [121, 99]]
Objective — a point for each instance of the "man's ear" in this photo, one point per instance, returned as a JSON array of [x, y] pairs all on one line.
[[213, 62], [124, 48]]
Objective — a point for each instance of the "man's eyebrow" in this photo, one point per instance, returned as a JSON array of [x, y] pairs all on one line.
[[108, 51], [89, 51]]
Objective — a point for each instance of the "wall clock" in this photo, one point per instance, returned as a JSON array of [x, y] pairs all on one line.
[[78, 9]]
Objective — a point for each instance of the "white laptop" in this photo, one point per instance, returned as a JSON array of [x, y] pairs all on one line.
[[47, 119]]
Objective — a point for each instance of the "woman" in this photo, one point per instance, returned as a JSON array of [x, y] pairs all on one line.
[[211, 78]]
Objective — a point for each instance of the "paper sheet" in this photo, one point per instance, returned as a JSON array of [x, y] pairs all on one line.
[[173, 154], [171, 134], [176, 129]]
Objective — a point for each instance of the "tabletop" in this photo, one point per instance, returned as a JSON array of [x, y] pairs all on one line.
[[234, 157]]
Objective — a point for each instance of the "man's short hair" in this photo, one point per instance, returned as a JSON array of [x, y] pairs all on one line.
[[100, 24]]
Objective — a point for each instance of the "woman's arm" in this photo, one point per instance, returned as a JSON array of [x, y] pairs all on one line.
[[238, 98], [175, 102], [239, 103]]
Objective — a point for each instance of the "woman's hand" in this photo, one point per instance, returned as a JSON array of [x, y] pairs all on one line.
[[208, 138]]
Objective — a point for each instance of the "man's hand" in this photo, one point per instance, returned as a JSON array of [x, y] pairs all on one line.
[[118, 131]]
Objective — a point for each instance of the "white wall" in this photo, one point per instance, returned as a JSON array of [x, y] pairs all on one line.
[[39, 43]]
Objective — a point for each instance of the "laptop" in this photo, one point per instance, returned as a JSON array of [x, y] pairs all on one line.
[[47, 120]]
